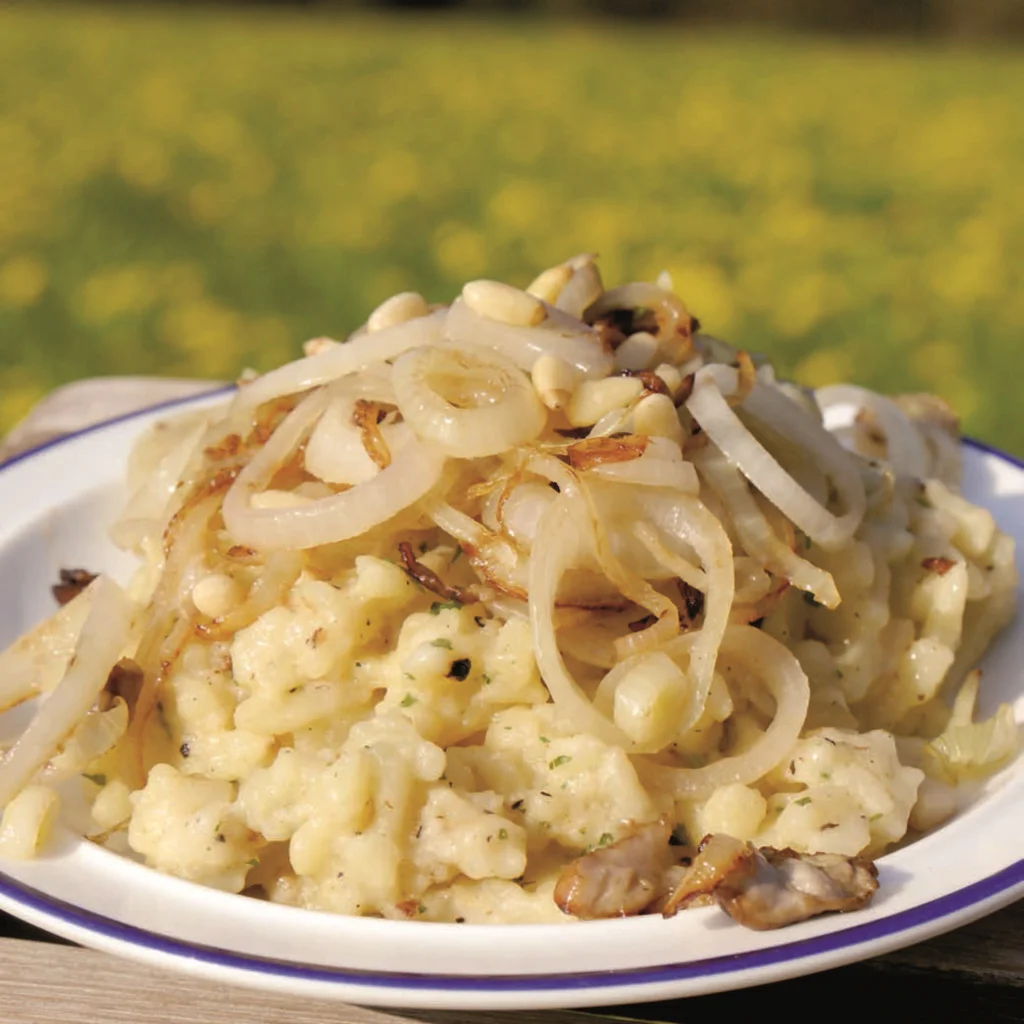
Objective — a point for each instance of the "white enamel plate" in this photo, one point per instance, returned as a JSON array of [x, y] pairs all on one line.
[[55, 505]]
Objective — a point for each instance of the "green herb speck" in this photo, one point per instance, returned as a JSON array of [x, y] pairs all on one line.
[[442, 641], [559, 761], [440, 606], [407, 701]]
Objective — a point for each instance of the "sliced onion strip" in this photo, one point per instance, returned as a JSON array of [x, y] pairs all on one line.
[[558, 335], [759, 655], [756, 535], [339, 361], [905, 448], [412, 474], [710, 409], [560, 544], [501, 411], [101, 642]]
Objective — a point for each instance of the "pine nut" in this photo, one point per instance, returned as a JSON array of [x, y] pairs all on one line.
[[502, 302], [397, 310]]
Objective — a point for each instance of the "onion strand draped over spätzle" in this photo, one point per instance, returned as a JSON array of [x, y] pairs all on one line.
[[429, 615]]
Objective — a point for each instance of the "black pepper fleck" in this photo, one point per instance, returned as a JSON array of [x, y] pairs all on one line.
[[460, 669]]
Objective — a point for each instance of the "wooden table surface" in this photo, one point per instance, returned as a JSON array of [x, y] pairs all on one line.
[[975, 973]]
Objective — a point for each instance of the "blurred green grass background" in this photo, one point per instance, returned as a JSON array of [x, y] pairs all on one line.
[[188, 192]]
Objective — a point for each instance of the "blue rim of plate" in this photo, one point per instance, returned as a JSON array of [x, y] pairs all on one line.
[[64, 914], [903, 921]]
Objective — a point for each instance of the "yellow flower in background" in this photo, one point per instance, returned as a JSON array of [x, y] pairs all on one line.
[[208, 337], [143, 163], [395, 175], [18, 393], [390, 281], [192, 194], [825, 366], [181, 280], [707, 294], [23, 280], [116, 291], [799, 305], [209, 201], [518, 205], [162, 97], [460, 251], [217, 132]]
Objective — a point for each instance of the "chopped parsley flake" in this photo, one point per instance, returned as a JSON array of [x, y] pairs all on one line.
[[442, 641], [503, 833], [440, 606], [559, 761], [606, 838], [803, 801], [408, 700]]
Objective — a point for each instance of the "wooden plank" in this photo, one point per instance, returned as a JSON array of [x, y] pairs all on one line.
[[44, 983], [41, 983], [990, 950]]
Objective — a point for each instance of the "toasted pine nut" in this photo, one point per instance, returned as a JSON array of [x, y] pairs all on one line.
[[503, 302], [315, 346], [656, 416], [397, 310], [637, 352], [671, 376], [548, 284], [554, 381], [215, 595], [585, 287], [592, 399]]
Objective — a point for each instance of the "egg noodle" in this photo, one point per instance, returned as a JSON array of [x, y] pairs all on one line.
[[427, 614]]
